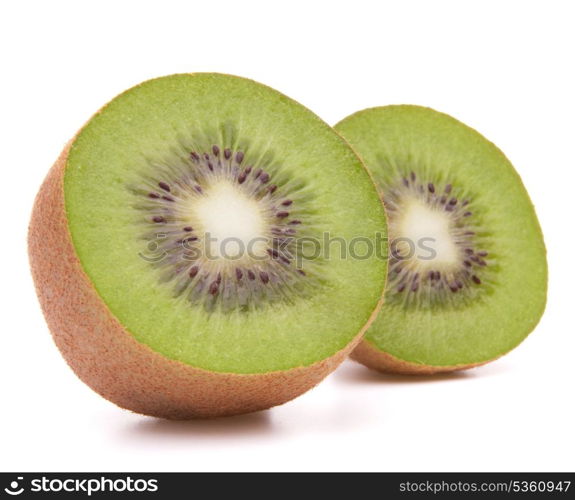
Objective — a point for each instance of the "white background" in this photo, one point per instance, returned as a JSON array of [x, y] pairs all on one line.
[[505, 68]]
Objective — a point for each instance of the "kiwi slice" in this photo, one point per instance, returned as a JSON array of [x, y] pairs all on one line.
[[176, 247], [467, 270]]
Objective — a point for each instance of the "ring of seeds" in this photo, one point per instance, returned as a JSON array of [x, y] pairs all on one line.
[[438, 251], [179, 205]]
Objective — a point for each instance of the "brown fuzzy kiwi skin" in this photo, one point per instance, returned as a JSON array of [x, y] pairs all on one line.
[[108, 358], [368, 355]]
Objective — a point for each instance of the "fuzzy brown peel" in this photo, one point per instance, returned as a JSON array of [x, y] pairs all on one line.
[[384, 362]]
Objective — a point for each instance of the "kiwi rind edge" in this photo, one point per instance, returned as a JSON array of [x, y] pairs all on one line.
[[367, 354]]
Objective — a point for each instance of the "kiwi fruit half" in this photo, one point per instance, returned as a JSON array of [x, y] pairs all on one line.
[[176, 248], [467, 271]]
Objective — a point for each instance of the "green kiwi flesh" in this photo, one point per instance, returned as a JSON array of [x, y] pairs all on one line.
[[481, 289], [133, 176]]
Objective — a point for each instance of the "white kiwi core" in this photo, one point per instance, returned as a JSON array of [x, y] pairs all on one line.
[[425, 236], [233, 221]]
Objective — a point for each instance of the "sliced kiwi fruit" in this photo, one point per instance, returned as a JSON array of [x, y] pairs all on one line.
[[166, 248], [467, 272]]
